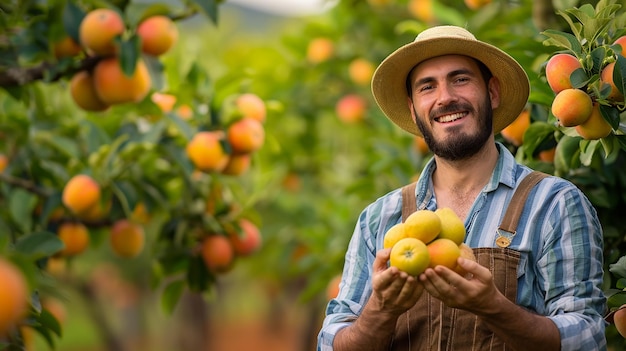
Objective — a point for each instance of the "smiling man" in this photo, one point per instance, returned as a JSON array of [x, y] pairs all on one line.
[[535, 287]]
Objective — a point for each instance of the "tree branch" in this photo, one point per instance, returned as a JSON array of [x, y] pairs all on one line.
[[19, 76], [25, 184]]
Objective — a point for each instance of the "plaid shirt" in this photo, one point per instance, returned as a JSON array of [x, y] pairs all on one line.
[[559, 237]]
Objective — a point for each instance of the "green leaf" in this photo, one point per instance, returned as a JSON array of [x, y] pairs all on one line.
[[611, 115], [21, 206], [72, 17], [619, 268], [579, 78], [619, 74], [49, 322], [566, 155], [171, 295], [209, 7], [617, 300], [562, 40], [39, 245], [62, 144], [130, 52]]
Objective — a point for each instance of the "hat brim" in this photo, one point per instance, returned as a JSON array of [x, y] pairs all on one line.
[[389, 79]]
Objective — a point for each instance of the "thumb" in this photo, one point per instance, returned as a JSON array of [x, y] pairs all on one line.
[[473, 267], [382, 257]]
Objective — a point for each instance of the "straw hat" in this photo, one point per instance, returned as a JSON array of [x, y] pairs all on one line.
[[389, 80]]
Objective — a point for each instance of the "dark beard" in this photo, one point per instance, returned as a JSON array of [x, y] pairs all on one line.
[[460, 146]]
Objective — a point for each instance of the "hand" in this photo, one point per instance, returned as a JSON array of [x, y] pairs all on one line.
[[394, 291], [475, 294]]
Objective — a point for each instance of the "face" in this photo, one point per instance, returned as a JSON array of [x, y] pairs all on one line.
[[452, 105]]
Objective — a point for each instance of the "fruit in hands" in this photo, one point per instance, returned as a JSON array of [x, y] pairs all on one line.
[[595, 127], [98, 30], [218, 253], [572, 107], [75, 238], [559, 69], [424, 225], [467, 253], [81, 193], [394, 234], [206, 152], [13, 296], [443, 252], [113, 86], [410, 255], [246, 135], [158, 34], [127, 238], [452, 227]]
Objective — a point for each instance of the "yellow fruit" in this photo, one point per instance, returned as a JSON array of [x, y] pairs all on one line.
[[606, 76], [113, 86], [206, 152], [410, 255], [361, 70], [452, 226], [467, 253], [127, 238], [572, 107], [250, 105], [158, 34], [13, 296], [424, 225], [98, 30], [595, 127], [75, 237], [443, 252], [320, 50], [81, 193], [394, 234]]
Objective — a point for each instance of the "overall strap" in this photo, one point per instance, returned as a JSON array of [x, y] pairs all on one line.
[[408, 200], [516, 205]]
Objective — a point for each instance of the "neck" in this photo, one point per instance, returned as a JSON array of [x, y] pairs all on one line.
[[468, 176]]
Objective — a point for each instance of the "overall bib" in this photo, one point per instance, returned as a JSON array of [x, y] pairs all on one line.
[[431, 326]]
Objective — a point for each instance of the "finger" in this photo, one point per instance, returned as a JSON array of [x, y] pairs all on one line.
[[382, 257], [476, 270]]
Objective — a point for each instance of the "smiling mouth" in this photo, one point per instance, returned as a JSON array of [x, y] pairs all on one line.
[[451, 117]]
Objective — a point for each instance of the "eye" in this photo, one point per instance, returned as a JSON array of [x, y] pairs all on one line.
[[424, 87]]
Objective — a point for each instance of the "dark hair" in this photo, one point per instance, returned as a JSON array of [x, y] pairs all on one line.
[[484, 71]]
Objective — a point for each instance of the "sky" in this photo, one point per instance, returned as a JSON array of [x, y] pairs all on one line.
[[286, 7]]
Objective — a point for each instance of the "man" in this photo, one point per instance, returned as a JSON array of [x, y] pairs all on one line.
[[542, 287]]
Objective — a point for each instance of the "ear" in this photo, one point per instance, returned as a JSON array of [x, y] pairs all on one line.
[[494, 92], [410, 102]]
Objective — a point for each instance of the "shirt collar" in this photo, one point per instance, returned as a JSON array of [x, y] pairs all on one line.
[[503, 173]]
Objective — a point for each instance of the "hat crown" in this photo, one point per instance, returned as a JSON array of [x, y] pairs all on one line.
[[445, 32]]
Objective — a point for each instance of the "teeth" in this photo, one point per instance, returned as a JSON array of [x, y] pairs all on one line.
[[450, 118]]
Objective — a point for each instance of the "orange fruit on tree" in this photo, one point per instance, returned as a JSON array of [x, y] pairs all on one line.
[[206, 152], [113, 86], [622, 42], [83, 92], [422, 10], [165, 101], [237, 164], [4, 162], [319, 50], [81, 193], [247, 240], [351, 108], [572, 107], [65, 47], [75, 238], [595, 127], [158, 34], [217, 253], [127, 238], [619, 319], [251, 105], [559, 69], [547, 155], [476, 4], [14, 296], [420, 145], [246, 135], [360, 71], [98, 30], [606, 76], [514, 132]]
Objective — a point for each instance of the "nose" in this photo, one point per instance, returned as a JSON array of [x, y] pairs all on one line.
[[446, 95]]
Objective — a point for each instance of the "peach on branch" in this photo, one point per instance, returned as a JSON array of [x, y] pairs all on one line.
[[218, 253], [559, 69], [113, 86], [81, 193], [250, 105], [606, 76], [75, 238], [99, 29], [351, 108], [572, 107], [206, 152], [13, 296], [246, 135], [83, 92], [127, 238], [247, 240], [595, 127], [361, 70], [158, 34], [514, 132], [319, 50]]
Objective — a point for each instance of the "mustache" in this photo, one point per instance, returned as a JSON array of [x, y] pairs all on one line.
[[451, 108]]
